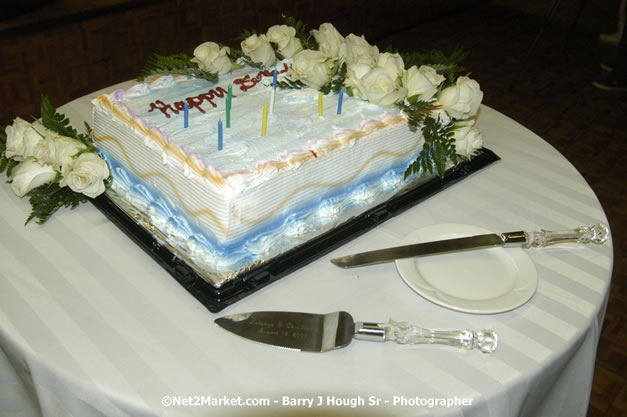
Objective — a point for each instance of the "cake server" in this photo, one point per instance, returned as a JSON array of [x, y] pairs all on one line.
[[307, 332], [597, 233]]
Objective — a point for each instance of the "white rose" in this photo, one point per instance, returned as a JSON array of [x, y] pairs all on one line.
[[15, 138], [285, 38], [29, 175], [392, 63], [87, 175], [358, 50], [423, 81], [209, 56], [44, 151], [64, 152], [330, 42], [379, 88], [33, 136], [462, 99], [468, 139], [354, 73], [312, 68], [257, 48]]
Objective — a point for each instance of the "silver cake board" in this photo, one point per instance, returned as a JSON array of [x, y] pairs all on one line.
[[245, 283]]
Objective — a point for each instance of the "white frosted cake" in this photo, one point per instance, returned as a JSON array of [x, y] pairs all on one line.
[[269, 188]]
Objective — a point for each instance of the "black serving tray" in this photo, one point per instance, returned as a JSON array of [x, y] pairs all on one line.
[[216, 298]]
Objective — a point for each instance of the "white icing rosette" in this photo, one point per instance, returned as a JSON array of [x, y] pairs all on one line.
[[285, 38], [311, 67], [330, 41], [468, 139], [258, 48], [211, 57], [461, 100], [30, 174], [378, 87], [422, 81]]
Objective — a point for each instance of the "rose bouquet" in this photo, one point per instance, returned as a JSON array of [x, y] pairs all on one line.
[[51, 163], [430, 88]]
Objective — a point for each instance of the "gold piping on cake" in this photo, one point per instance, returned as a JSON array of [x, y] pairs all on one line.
[[280, 205], [211, 175], [216, 177], [277, 208], [151, 174], [104, 99]]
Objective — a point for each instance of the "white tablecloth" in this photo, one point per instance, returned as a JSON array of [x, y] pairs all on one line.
[[91, 326]]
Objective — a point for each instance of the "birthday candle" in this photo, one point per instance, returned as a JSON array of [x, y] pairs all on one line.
[[272, 100], [186, 116], [228, 106], [339, 101], [264, 123], [320, 104], [273, 91], [220, 134]]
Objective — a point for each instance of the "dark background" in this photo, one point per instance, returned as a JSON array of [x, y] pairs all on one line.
[[68, 48]]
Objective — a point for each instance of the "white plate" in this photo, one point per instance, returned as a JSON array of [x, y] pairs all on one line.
[[484, 281]]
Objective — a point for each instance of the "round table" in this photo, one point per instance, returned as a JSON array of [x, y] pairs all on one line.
[[91, 326]]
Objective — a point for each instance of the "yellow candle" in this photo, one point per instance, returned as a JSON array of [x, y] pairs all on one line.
[[264, 123], [320, 104]]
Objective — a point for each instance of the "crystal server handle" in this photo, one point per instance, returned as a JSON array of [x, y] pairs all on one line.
[[405, 333], [597, 233]]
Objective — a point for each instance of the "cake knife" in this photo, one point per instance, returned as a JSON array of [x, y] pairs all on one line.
[[308, 332], [597, 233]]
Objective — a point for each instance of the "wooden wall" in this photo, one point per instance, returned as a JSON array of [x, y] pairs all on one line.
[[68, 48]]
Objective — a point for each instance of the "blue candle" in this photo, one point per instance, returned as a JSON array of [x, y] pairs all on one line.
[[274, 79], [186, 116], [219, 135], [339, 101]]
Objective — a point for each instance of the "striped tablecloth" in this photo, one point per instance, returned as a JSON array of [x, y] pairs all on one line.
[[91, 326]]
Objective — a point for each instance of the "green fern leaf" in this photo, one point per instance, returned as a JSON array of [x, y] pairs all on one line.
[[59, 123], [305, 37], [438, 149], [337, 81], [448, 65], [174, 64], [417, 111], [55, 121], [289, 84], [45, 200]]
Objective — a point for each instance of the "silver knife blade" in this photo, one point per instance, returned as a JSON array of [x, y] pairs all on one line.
[[431, 248], [308, 332]]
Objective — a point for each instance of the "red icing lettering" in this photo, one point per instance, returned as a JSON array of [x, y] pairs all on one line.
[[162, 107], [192, 102], [247, 82]]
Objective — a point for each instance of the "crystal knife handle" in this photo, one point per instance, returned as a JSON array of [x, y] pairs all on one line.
[[597, 233], [405, 333]]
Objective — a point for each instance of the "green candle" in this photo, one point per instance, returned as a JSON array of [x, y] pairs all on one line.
[[228, 106]]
